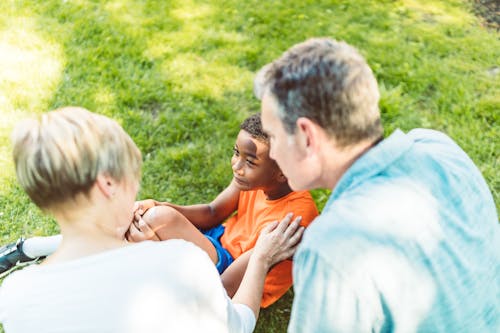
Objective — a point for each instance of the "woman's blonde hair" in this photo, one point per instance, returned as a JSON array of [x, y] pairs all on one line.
[[60, 154]]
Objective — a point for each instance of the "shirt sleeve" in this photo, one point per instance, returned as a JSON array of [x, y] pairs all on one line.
[[327, 302], [241, 318]]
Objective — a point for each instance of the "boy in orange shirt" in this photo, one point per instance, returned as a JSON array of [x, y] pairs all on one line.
[[258, 194]]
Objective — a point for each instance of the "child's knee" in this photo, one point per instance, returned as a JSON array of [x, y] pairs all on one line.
[[161, 215]]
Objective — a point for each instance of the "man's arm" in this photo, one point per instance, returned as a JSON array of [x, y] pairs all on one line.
[[349, 299]]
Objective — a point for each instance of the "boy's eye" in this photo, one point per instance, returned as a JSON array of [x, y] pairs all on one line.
[[251, 163], [236, 152]]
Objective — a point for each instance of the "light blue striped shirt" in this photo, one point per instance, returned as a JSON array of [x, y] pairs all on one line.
[[409, 241]]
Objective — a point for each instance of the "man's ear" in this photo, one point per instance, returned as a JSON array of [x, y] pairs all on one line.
[[106, 185], [308, 135]]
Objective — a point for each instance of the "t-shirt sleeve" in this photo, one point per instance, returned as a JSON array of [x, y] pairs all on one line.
[[240, 318], [279, 279], [307, 210]]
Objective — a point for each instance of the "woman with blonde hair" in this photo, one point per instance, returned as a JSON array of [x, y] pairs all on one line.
[[83, 169]]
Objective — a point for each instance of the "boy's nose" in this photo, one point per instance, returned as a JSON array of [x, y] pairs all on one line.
[[237, 167]]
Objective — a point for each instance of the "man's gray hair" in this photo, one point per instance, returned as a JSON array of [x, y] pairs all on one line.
[[328, 82]]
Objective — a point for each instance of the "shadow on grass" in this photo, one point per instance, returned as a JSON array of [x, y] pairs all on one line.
[[275, 318]]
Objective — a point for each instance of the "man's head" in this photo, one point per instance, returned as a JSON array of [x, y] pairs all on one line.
[[328, 82], [323, 82], [252, 167], [60, 155]]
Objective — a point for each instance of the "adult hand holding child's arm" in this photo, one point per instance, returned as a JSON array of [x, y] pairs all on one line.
[[277, 242], [139, 230], [142, 206]]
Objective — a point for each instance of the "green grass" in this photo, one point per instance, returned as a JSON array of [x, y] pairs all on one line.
[[178, 77]]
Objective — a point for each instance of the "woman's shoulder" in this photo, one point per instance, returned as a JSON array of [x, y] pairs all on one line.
[[177, 248], [150, 260]]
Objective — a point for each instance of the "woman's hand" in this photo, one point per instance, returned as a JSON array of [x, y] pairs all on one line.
[[140, 231], [141, 207], [278, 241]]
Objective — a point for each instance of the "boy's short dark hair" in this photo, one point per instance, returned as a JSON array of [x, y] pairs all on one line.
[[253, 125]]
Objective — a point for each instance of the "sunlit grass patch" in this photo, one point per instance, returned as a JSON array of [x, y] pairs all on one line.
[[189, 10], [193, 74], [30, 67], [127, 12], [30, 70], [450, 12]]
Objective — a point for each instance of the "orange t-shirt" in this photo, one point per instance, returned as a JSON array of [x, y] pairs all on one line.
[[243, 229]]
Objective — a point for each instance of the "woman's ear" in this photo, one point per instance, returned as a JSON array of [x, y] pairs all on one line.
[[106, 185]]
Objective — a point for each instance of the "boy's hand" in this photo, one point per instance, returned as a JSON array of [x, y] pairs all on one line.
[[140, 231], [279, 241], [140, 207]]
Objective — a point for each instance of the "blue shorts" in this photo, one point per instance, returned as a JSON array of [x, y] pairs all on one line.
[[224, 257]]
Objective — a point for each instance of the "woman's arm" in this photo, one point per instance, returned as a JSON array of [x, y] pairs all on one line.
[[232, 276], [277, 242]]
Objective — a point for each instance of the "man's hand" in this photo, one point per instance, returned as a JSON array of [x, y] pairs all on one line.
[[279, 241], [140, 231]]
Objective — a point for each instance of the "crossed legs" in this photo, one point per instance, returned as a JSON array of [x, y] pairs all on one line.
[[168, 223]]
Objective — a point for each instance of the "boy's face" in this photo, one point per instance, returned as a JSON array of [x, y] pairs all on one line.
[[253, 169]]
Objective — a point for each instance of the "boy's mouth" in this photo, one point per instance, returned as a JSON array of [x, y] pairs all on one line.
[[240, 181]]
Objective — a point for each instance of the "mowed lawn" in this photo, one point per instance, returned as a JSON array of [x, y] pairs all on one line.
[[178, 76]]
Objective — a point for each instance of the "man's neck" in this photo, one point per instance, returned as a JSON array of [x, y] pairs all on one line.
[[337, 160]]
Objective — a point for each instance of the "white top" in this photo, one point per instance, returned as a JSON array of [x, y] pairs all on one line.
[[169, 286]]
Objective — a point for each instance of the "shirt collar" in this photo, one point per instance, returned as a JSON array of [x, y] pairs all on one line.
[[372, 162]]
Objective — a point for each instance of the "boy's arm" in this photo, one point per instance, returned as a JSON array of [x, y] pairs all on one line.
[[203, 216], [232, 276]]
